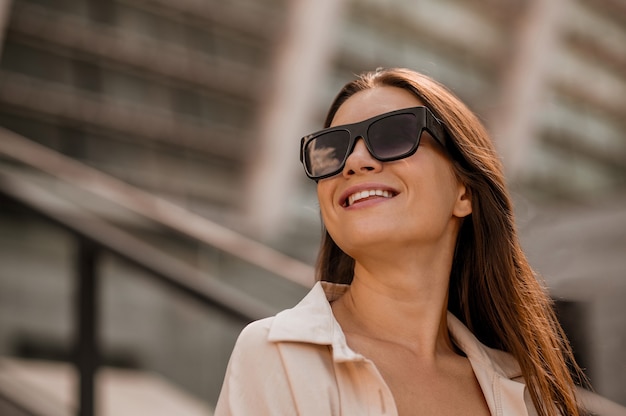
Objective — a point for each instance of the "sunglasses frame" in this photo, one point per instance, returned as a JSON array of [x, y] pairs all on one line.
[[429, 122]]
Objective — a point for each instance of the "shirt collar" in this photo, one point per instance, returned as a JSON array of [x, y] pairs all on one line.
[[479, 354], [312, 321]]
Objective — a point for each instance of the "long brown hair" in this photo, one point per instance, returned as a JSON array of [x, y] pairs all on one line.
[[493, 289]]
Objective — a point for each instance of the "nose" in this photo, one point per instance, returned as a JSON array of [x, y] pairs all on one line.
[[360, 161]]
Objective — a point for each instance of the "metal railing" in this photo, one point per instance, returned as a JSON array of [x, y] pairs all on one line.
[[149, 206], [95, 236]]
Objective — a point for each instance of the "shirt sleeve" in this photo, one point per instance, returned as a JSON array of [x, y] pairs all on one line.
[[256, 382]]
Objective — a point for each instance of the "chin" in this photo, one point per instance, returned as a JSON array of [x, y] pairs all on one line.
[[366, 242]]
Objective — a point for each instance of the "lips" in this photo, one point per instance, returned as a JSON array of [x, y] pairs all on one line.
[[355, 195]]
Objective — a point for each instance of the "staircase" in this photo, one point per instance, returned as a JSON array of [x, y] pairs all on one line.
[[102, 275], [46, 388]]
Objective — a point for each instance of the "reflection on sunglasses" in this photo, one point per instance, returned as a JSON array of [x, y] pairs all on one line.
[[322, 158]]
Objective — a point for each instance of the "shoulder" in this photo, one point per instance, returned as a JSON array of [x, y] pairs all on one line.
[[255, 380], [253, 351], [269, 377], [255, 333], [252, 342]]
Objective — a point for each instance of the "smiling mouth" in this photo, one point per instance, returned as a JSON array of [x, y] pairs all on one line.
[[361, 196]]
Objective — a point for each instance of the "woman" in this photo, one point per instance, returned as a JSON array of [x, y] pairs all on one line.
[[426, 303]]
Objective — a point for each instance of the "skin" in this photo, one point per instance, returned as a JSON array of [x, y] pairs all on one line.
[[395, 310]]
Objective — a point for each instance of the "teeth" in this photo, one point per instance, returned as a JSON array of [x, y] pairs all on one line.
[[366, 194]]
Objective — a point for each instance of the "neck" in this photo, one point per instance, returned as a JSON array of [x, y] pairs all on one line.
[[399, 301], [399, 294]]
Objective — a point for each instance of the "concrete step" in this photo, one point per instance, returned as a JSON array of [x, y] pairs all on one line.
[[45, 388]]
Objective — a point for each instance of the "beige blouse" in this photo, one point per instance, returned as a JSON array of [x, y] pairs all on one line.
[[298, 363]]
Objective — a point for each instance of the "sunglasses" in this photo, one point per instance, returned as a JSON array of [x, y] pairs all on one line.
[[389, 136]]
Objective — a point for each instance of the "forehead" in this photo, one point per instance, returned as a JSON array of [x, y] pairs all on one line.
[[372, 102]]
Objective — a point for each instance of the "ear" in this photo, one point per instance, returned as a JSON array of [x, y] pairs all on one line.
[[463, 204]]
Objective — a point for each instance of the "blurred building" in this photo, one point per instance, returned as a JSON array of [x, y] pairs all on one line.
[[202, 103]]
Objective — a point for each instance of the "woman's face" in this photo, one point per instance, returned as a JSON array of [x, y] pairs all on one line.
[[415, 201]]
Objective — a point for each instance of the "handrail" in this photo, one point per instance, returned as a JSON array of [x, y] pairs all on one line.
[[93, 235], [169, 269], [152, 207]]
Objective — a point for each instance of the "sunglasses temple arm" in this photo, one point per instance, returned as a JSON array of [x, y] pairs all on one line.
[[435, 126]]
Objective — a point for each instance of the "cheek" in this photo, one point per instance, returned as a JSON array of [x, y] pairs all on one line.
[[325, 199], [434, 187]]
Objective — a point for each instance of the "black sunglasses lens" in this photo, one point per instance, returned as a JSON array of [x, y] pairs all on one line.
[[325, 154], [394, 137]]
